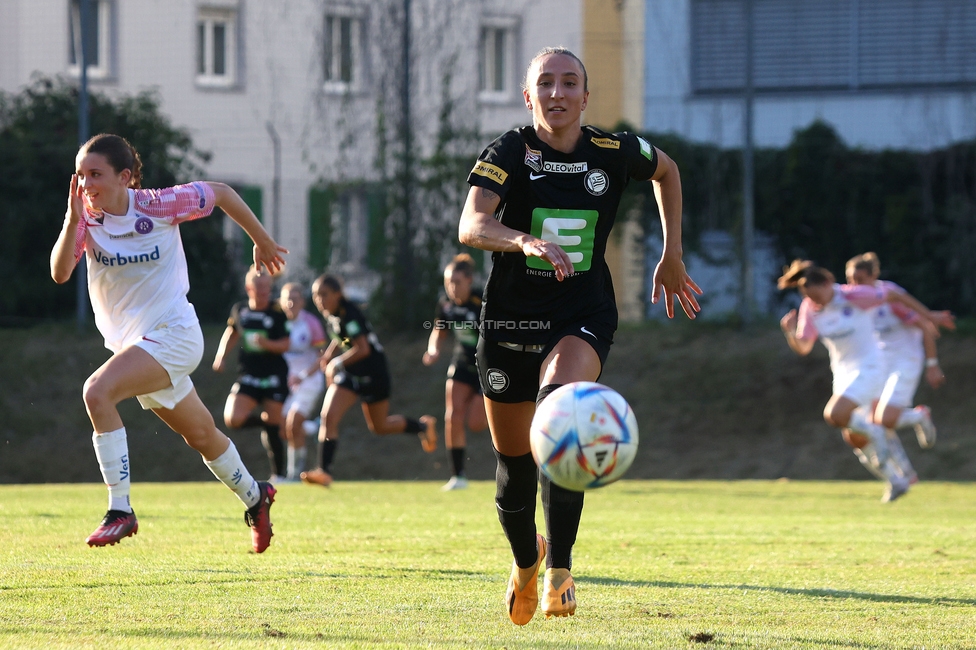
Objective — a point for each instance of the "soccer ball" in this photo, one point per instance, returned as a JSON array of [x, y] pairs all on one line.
[[584, 435]]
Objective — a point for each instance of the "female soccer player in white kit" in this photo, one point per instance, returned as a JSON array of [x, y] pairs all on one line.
[[840, 316], [306, 383], [908, 347], [137, 281]]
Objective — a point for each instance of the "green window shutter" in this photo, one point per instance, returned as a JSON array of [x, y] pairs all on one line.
[[376, 246], [320, 201], [252, 195]]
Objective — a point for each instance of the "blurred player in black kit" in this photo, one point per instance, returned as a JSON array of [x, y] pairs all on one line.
[[260, 325], [355, 369], [544, 198], [465, 405]]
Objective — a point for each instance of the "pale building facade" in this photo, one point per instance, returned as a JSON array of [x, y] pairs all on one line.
[[287, 96]]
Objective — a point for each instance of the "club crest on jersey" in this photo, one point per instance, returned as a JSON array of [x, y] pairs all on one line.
[[848, 311], [564, 168], [596, 182], [533, 159], [144, 225]]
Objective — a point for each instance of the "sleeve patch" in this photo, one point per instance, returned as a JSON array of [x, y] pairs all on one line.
[[353, 329], [490, 171], [646, 150], [610, 143]]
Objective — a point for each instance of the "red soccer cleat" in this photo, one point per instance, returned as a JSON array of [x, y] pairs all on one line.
[[116, 525], [259, 518]]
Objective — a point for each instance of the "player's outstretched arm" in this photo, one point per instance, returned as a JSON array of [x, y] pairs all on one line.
[[64, 255], [479, 229], [433, 352], [267, 252], [802, 347], [228, 341], [670, 274], [941, 318]]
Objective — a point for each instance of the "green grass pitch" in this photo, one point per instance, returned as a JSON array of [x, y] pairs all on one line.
[[658, 564]]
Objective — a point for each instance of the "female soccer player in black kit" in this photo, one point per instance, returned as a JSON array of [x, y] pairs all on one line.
[[465, 405], [544, 198], [261, 326], [355, 369]]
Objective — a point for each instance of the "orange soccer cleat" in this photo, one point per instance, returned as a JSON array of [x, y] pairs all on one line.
[[523, 601], [558, 593]]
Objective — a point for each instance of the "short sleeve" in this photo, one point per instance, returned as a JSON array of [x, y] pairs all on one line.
[[863, 295], [904, 314], [806, 329], [497, 164], [178, 203], [641, 156]]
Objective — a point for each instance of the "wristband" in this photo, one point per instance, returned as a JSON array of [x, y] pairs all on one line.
[[932, 362]]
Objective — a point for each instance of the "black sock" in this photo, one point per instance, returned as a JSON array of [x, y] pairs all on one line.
[[545, 391], [516, 478], [326, 451], [457, 460], [413, 426], [276, 449], [563, 509]]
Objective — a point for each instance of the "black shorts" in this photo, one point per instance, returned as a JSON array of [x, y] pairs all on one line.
[[461, 370], [274, 388], [510, 373], [372, 386]]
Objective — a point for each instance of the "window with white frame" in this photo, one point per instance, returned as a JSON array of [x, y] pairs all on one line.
[[98, 37], [216, 51], [342, 49], [496, 59]]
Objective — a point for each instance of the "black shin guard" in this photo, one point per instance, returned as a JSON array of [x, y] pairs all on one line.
[[326, 452], [563, 509], [516, 478], [276, 449]]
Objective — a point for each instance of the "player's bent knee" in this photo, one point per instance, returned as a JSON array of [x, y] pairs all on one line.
[[856, 440]]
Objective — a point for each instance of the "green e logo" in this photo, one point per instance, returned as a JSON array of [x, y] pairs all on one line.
[[573, 230]]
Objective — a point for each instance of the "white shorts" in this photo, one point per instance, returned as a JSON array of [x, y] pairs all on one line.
[[861, 385], [305, 397], [178, 349], [904, 374]]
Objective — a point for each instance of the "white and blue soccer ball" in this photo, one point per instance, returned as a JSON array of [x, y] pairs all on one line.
[[584, 435]]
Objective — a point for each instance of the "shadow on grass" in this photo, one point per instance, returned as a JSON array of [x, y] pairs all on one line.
[[791, 591]]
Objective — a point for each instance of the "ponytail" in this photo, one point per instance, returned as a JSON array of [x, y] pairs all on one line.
[[801, 273]]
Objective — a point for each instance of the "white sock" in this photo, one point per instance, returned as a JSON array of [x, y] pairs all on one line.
[[898, 454], [294, 470], [229, 468], [870, 460], [908, 418], [860, 422], [112, 452]]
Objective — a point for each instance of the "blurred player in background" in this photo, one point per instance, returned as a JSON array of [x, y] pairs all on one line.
[[549, 311], [355, 369], [465, 405], [840, 317], [305, 380], [137, 281], [259, 324], [908, 347]]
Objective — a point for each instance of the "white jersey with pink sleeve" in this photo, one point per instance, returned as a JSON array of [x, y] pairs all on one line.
[[137, 276], [895, 326], [844, 325], [307, 339]]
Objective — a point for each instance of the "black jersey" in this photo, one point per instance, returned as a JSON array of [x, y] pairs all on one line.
[[345, 325], [567, 198], [272, 324], [463, 321]]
